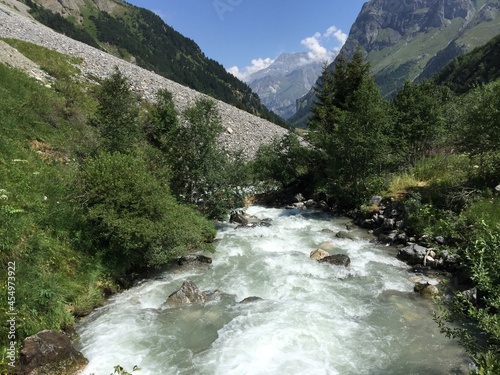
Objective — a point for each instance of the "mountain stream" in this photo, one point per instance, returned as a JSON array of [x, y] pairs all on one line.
[[313, 318]]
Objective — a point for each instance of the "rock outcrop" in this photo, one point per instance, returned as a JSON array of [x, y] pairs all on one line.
[[49, 352], [243, 131]]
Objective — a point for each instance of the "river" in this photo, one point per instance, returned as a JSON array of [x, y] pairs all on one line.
[[314, 318]]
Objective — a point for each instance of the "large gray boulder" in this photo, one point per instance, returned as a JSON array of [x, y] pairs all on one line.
[[49, 352], [413, 254]]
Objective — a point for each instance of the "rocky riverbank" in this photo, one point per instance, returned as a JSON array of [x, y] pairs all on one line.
[[243, 131]]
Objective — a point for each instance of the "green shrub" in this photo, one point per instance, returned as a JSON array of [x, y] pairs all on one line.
[[132, 218]]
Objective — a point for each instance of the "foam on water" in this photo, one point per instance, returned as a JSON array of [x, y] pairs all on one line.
[[314, 318]]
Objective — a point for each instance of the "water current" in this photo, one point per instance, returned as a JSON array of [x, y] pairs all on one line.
[[313, 319]]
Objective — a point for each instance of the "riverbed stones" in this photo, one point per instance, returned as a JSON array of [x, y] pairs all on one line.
[[250, 300], [413, 254], [337, 260], [318, 254], [194, 259], [187, 294], [427, 290], [345, 235], [49, 352]]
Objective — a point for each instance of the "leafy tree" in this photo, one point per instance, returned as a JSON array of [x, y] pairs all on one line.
[[132, 218], [481, 121], [203, 173], [350, 128], [117, 114], [419, 120], [162, 122], [283, 161]]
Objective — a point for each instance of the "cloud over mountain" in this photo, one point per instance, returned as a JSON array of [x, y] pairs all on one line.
[[321, 47]]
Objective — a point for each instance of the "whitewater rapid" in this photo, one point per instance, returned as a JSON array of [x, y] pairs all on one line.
[[313, 318]]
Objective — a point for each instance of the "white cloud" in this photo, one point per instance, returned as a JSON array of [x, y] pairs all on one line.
[[315, 44], [316, 52], [257, 64], [337, 33]]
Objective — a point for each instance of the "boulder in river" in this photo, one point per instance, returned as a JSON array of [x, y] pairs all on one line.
[[337, 259], [318, 254], [427, 290], [251, 299], [187, 294], [194, 260], [346, 235], [49, 352]]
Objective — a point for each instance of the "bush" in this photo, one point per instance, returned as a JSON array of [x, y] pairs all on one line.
[[132, 218]]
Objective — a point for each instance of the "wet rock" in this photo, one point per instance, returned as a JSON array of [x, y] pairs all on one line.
[[337, 260], [413, 254], [239, 217], [426, 290], [187, 294], [299, 198], [263, 223], [440, 240], [251, 299], [387, 238], [49, 352], [345, 235], [318, 254], [193, 259]]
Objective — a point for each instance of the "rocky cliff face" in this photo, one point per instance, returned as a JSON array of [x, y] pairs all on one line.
[[414, 39]]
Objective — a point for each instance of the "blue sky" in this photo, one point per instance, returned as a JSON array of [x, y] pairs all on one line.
[[245, 35]]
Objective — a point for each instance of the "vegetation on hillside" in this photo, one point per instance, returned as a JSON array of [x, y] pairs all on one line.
[[475, 68], [140, 35], [97, 187]]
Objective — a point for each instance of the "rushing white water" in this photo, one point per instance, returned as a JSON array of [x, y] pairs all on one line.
[[314, 318]]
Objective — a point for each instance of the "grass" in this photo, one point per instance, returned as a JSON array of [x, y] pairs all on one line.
[[39, 231], [56, 64]]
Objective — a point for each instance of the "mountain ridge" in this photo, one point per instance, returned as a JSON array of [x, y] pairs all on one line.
[[413, 40], [287, 79]]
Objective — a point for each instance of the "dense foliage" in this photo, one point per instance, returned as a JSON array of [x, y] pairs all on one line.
[[477, 67]]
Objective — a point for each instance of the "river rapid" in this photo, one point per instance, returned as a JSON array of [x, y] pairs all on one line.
[[314, 319]]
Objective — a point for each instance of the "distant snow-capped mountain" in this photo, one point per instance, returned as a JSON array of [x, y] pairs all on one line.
[[287, 79]]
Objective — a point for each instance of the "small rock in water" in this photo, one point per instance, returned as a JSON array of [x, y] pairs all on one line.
[[337, 259], [319, 254], [251, 299], [345, 234]]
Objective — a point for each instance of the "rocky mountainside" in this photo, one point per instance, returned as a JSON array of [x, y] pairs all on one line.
[[287, 79], [412, 40], [244, 131], [140, 36]]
